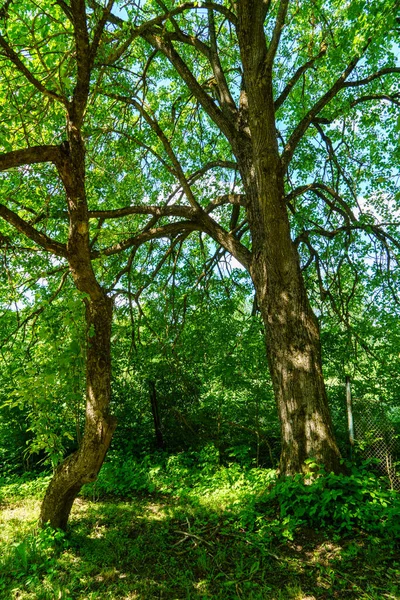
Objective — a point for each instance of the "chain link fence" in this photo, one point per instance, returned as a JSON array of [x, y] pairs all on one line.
[[376, 438]]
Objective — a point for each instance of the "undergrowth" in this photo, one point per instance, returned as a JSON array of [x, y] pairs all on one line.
[[184, 526], [273, 506]]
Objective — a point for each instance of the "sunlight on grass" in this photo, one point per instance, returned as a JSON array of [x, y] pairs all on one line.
[[18, 519], [211, 537]]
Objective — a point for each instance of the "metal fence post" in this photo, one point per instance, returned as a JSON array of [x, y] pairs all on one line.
[[349, 414]]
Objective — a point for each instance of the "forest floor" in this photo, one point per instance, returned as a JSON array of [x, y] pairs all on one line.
[[182, 546]]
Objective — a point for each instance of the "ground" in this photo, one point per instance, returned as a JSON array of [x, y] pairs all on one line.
[[160, 546]]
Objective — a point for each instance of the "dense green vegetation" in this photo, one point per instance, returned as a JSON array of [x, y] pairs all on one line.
[[183, 526], [199, 268], [207, 517]]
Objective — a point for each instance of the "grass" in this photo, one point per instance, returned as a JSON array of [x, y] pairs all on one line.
[[199, 536]]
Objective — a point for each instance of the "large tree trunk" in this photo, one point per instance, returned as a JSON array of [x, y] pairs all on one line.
[[292, 332], [294, 358], [83, 466], [292, 339]]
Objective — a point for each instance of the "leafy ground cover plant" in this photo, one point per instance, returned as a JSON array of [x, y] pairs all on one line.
[[184, 526], [359, 501]]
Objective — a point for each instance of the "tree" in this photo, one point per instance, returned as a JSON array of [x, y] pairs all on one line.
[[51, 59], [105, 75], [282, 137]]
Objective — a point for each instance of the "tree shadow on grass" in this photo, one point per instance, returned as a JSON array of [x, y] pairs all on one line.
[[175, 549]]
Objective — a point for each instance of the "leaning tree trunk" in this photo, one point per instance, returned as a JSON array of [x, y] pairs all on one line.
[[291, 328], [83, 466]]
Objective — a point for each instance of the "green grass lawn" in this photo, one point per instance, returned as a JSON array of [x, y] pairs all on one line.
[[193, 541]]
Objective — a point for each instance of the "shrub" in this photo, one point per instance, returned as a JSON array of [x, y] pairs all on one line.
[[359, 500]]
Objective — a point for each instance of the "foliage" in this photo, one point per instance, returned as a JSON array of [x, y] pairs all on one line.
[[204, 352], [42, 389], [197, 473], [204, 531], [358, 501], [184, 317], [343, 503], [35, 556]]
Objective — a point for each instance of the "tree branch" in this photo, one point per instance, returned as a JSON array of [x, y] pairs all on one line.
[[372, 97], [22, 68], [225, 97], [372, 77], [235, 199], [29, 156], [41, 239], [215, 113], [164, 231], [152, 122], [276, 36], [83, 62], [304, 124], [158, 211], [338, 204], [224, 164], [294, 79]]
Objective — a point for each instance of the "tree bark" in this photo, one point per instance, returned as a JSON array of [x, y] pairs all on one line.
[[291, 328], [294, 358], [83, 466]]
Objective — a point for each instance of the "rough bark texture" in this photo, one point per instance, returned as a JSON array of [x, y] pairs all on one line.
[[294, 358], [83, 466], [292, 332]]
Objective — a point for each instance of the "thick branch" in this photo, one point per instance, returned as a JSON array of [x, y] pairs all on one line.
[[225, 96], [158, 211], [235, 199], [167, 211], [226, 239], [99, 29], [203, 222], [83, 61], [29, 156], [276, 36], [36, 236], [293, 80], [225, 125]]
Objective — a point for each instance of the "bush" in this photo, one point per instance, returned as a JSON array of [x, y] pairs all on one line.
[[359, 500]]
